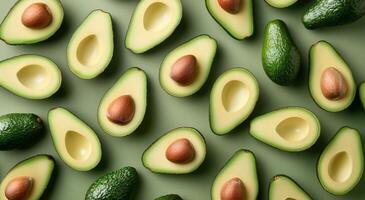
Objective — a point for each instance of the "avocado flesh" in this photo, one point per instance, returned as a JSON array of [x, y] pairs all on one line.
[[134, 83], [13, 32], [155, 160], [341, 164], [39, 167], [204, 49], [239, 25], [30, 76], [170, 197], [321, 56], [362, 94], [324, 13], [232, 99], [91, 47], [281, 3], [152, 22], [290, 129], [283, 187], [280, 56], [241, 165], [75, 142]]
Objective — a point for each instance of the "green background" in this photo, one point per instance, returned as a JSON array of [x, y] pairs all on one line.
[[165, 112]]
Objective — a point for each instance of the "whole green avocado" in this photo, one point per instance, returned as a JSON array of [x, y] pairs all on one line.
[[116, 185], [324, 13], [170, 197]]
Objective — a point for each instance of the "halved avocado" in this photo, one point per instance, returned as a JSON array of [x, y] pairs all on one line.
[[132, 83], [341, 164], [39, 168], [241, 166], [153, 21], [203, 48], [75, 142], [13, 32], [290, 129], [239, 25], [91, 47], [281, 3], [283, 187], [362, 94], [323, 56], [30, 76], [155, 159], [232, 99]]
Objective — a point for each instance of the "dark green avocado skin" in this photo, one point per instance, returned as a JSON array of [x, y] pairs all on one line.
[[170, 197], [19, 130], [333, 12], [117, 185], [280, 56]]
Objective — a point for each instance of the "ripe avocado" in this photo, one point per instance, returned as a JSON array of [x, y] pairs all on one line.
[[119, 185], [19, 129], [170, 197], [75, 142], [13, 32], [289, 129], [281, 3], [30, 76], [280, 57], [283, 187], [91, 47], [152, 23]]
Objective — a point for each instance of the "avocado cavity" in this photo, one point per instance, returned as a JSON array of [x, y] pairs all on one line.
[[235, 95], [157, 17], [88, 51], [293, 129], [340, 167], [77, 145]]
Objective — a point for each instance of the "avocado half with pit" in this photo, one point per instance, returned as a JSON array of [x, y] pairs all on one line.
[[123, 106], [91, 47], [232, 99], [180, 151], [234, 16], [28, 179], [283, 187], [152, 22], [238, 178], [75, 142], [290, 129], [185, 69], [31, 21], [30, 76], [331, 82], [281, 3], [341, 164]]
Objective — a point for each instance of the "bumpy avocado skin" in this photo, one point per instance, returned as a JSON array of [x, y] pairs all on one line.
[[19, 130], [170, 197], [324, 13], [117, 185], [280, 56]]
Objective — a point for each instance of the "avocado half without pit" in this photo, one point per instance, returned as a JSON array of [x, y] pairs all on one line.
[[29, 21], [283, 187], [331, 82], [152, 22], [232, 99], [180, 151], [30, 76], [290, 129]]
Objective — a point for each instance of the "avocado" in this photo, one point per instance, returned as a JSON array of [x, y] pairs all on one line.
[[331, 83], [152, 22], [180, 77], [341, 164], [38, 169], [180, 151], [14, 29], [237, 20], [290, 129], [280, 56], [283, 187], [239, 175], [75, 142], [170, 197], [91, 47], [18, 130], [127, 98], [232, 99], [30, 76], [119, 185], [362, 94], [324, 13], [281, 3]]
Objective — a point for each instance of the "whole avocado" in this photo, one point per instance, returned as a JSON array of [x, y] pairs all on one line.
[[116, 185], [18, 130], [170, 197], [324, 13]]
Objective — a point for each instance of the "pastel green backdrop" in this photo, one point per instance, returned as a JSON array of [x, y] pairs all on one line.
[[165, 112]]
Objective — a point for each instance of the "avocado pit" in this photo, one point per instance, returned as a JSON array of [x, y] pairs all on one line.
[[180, 151], [121, 110], [184, 70], [333, 84], [233, 189], [230, 6], [19, 188], [37, 16]]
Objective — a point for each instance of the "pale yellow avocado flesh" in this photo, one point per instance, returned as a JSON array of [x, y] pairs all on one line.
[[281, 3], [284, 188]]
